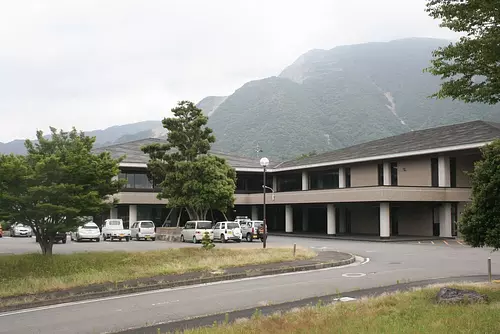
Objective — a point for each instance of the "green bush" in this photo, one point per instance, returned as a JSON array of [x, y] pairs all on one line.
[[207, 242]]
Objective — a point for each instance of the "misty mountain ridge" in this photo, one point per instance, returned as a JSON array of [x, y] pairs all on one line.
[[325, 100]]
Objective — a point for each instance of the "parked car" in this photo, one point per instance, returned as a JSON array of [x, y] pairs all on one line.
[[252, 229], [195, 230], [113, 229], [88, 231], [20, 230], [227, 230], [60, 236], [143, 229]]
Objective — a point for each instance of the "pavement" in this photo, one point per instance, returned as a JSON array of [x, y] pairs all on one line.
[[382, 264]]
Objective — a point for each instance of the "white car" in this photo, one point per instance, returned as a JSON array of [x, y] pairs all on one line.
[[113, 229], [225, 231], [21, 230], [88, 231], [195, 230], [143, 229]]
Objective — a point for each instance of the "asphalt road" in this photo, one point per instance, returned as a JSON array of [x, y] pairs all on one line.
[[388, 264]]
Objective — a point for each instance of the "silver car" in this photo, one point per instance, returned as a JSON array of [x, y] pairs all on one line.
[[21, 230]]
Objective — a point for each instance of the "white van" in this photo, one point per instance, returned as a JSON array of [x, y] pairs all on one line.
[[225, 231], [143, 229], [195, 230]]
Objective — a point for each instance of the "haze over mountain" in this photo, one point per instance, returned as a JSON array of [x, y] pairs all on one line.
[[326, 99]]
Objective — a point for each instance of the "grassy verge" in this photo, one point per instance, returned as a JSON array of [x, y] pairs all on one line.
[[409, 312], [34, 273]]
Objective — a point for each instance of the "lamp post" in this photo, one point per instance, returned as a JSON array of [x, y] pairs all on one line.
[[264, 162]]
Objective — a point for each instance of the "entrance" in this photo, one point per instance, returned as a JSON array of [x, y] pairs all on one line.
[[435, 222], [394, 221]]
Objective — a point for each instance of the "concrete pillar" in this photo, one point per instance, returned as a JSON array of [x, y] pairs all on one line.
[[305, 181], [341, 177], [385, 221], [330, 219], [342, 222], [387, 174], [113, 213], [445, 220], [288, 219], [275, 183], [255, 212], [444, 171], [132, 214], [305, 219]]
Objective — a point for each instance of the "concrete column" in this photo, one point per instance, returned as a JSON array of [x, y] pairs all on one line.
[[255, 212], [288, 219], [132, 214], [444, 171], [445, 220], [342, 222], [341, 177], [113, 213], [305, 181], [385, 221], [275, 183], [305, 219], [387, 174], [330, 219]]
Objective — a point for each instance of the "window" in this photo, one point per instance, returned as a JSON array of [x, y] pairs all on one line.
[[394, 173], [204, 225], [91, 227], [453, 172], [217, 226], [233, 225], [325, 179], [348, 177], [136, 180], [135, 225], [291, 182], [147, 225], [380, 174], [434, 172]]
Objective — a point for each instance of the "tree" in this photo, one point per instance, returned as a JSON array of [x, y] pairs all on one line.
[[470, 67], [56, 183], [190, 177], [480, 221]]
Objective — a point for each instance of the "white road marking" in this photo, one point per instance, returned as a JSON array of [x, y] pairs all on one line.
[[366, 261], [164, 303], [353, 275], [432, 242], [371, 251], [345, 299], [145, 293]]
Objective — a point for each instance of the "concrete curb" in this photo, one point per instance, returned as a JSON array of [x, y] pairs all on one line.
[[173, 284]]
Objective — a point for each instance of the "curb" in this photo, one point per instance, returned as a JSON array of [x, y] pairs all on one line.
[[173, 284], [326, 237]]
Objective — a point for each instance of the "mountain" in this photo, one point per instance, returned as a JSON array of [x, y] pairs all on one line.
[[210, 104], [112, 135], [329, 99]]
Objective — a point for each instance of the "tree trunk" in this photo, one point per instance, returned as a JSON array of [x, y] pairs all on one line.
[[46, 245]]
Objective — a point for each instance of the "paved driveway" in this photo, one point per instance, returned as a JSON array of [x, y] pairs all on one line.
[[384, 264]]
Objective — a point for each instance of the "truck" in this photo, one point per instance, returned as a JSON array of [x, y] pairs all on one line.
[[113, 229]]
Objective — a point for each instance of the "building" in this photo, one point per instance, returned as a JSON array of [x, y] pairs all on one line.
[[414, 184]]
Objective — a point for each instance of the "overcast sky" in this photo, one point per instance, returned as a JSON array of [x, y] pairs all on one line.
[[94, 64]]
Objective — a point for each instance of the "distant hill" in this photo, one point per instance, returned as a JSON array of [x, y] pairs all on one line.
[[328, 99], [325, 100]]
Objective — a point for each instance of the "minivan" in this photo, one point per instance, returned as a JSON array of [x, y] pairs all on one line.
[[143, 229], [195, 230]]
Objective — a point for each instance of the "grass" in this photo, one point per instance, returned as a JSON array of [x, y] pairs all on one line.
[[34, 273], [408, 312]]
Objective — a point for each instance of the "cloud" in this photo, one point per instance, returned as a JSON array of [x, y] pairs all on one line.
[[93, 64]]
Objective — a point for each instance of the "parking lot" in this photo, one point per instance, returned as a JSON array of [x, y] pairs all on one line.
[[20, 245]]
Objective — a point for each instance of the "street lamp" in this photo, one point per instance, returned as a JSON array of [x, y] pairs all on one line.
[[264, 162]]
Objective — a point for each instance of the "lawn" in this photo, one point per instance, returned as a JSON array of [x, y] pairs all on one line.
[[408, 312], [33, 273]]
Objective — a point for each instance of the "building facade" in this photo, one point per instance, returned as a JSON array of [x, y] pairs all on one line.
[[414, 184]]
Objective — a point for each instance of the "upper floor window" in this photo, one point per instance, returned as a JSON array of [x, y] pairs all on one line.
[[453, 172], [380, 170], [394, 173], [325, 179], [434, 172], [136, 180], [290, 182], [347, 177]]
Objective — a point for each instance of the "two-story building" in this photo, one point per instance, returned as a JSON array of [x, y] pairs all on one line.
[[414, 184]]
